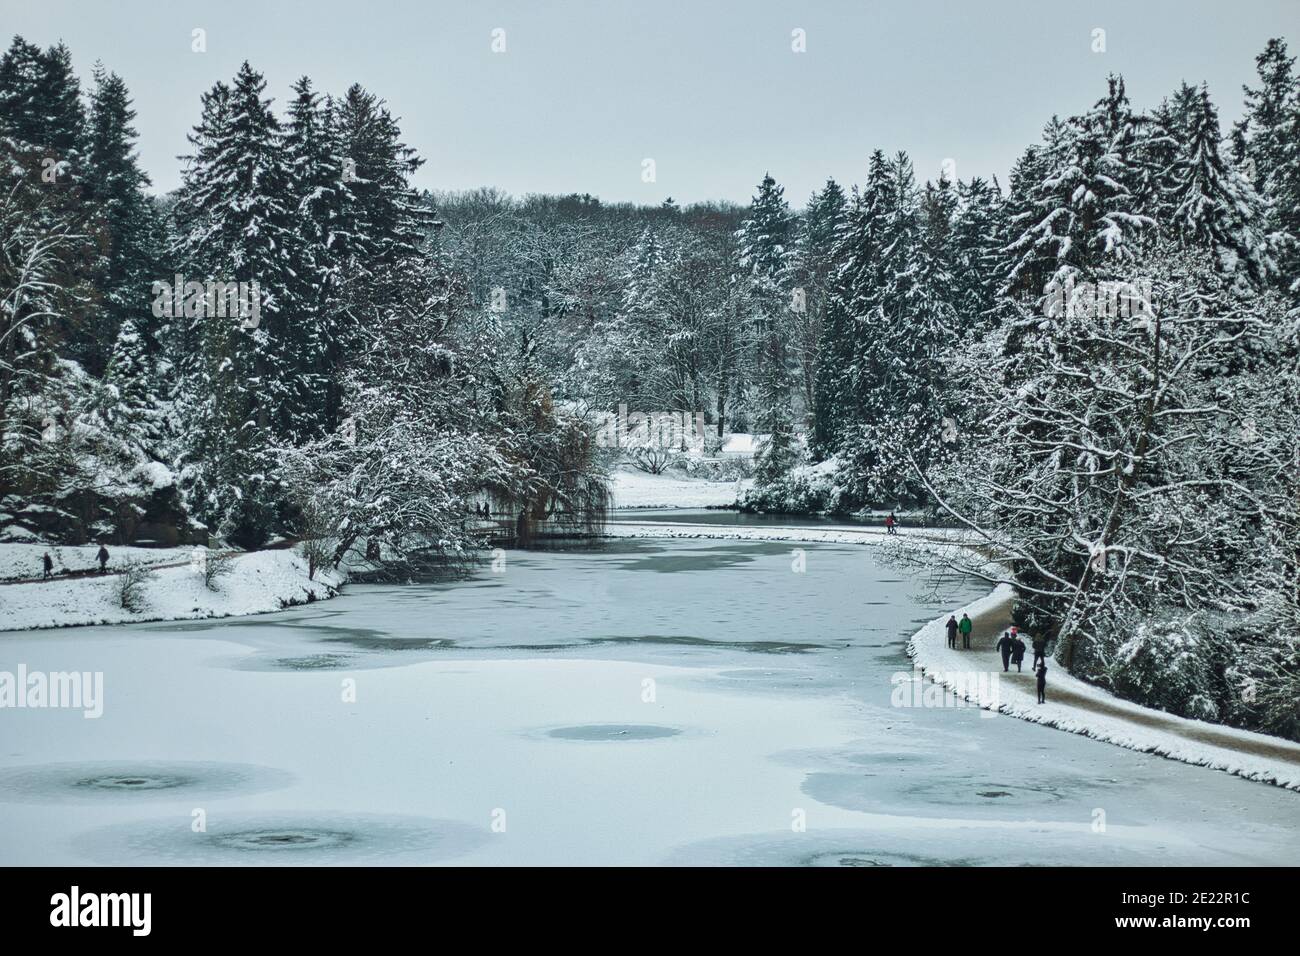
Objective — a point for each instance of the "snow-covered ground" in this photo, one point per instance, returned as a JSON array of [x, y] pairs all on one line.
[[1073, 705], [258, 582], [637, 489], [1081, 708], [23, 561]]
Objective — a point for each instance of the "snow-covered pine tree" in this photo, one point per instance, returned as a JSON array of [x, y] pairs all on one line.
[[233, 226], [854, 286], [1269, 136], [114, 183], [902, 390], [1215, 207], [765, 241], [814, 269], [1081, 213], [978, 235], [318, 194]]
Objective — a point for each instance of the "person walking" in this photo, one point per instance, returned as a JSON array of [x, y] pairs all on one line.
[[48, 567], [1040, 651], [1017, 650], [102, 558], [1042, 682], [952, 632], [890, 521], [965, 627], [1004, 647]]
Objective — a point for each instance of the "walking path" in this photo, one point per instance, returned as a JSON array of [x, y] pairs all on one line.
[[1072, 705], [1084, 709]]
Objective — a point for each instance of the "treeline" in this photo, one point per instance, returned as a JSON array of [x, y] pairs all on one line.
[[355, 396], [1093, 367], [1098, 374]]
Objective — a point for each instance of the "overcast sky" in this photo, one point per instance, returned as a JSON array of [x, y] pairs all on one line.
[[711, 90]]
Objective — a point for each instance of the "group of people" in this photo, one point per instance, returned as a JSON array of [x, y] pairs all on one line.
[[1011, 647], [47, 563], [483, 511]]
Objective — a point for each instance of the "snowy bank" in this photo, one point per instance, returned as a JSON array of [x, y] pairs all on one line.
[[23, 561], [635, 489], [1073, 705], [1081, 708], [257, 583]]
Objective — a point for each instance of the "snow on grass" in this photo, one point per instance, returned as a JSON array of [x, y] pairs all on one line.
[[23, 561], [258, 582], [636, 489]]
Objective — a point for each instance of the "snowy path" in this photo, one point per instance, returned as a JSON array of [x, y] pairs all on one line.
[[1084, 709], [258, 582], [1072, 705]]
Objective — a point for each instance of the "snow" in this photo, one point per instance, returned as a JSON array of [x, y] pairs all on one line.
[[636, 489], [828, 535], [23, 561], [258, 582], [520, 698], [741, 443], [1122, 723]]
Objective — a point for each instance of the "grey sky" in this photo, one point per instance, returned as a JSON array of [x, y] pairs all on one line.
[[712, 91]]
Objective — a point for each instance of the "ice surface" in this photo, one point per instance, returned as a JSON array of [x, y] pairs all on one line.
[[514, 719]]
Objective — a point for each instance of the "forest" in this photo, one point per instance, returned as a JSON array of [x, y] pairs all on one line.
[[1093, 367]]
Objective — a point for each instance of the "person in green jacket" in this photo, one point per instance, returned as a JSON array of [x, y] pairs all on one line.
[[965, 628]]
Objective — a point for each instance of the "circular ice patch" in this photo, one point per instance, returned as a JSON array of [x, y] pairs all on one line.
[[280, 839], [97, 781], [307, 838], [614, 732]]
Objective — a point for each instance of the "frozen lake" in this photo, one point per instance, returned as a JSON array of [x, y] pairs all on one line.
[[649, 702]]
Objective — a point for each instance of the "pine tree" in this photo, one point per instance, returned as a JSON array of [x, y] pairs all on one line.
[[317, 197], [1268, 116], [115, 184], [1080, 216], [765, 255], [22, 75], [239, 388], [978, 235], [1215, 207], [814, 269], [901, 395], [854, 286], [1269, 149]]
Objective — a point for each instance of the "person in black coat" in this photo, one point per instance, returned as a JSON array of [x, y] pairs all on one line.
[[1042, 682], [952, 632], [48, 566], [1005, 647], [102, 558], [1017, 651], [1040, 651]]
